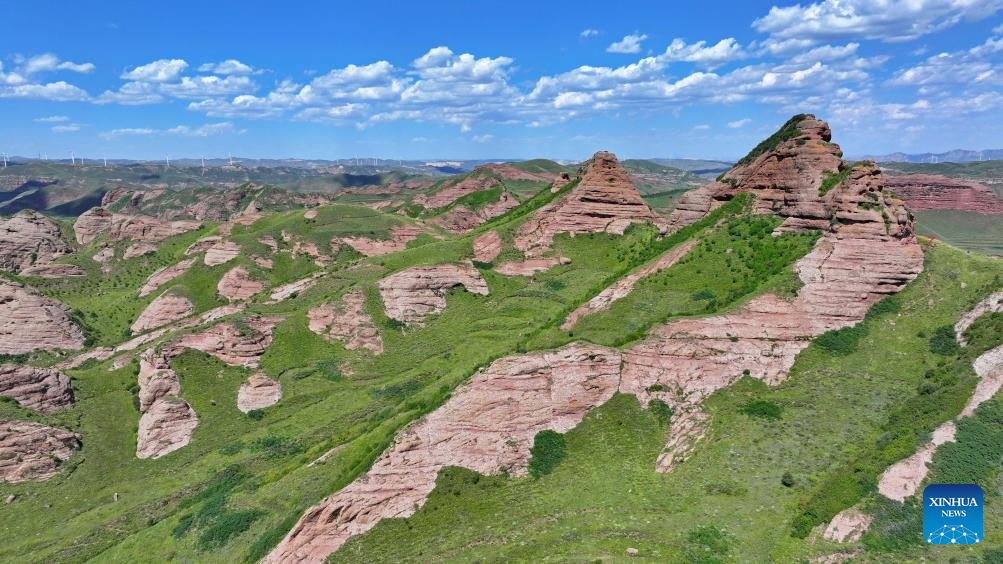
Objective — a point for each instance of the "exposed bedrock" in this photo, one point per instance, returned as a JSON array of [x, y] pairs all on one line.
[[28, 239], [412, 295], [237, 285], [42, 389], [348, 322], [165, 275], [167, 308], [30, 321], [167, 422], [400, 236], [235, 345], [935, 192], [487, 246], [258, 392], [96, 221], [32, 451]]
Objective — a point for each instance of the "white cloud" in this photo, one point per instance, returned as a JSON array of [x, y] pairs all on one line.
[[201, 87], [229, 66], [739, 123], [701, 127], [206, 130], [586, 33], [998, 29], [724, 51], [162, 70], [883, 20], [629, 44], [128, 131], [486, 138], [826, 53], [67, 128], [54, 91], [52, 119], [48, 62], [132, 94], [965, 68]]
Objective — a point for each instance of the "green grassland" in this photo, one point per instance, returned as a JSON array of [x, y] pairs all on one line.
[[240, 485]]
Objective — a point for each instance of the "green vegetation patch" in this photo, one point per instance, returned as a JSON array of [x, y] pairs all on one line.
[[787, 131], [547, 451]]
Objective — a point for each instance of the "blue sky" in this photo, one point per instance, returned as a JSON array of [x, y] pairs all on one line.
[[494, 79]]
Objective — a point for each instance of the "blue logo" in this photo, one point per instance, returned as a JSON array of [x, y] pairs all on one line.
[[952, 514]]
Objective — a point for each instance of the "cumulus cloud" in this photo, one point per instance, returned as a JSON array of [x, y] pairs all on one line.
[[162, 70], [701, 127], [227, 67], [127, 131], [739, 123], [52, 119], [871, 19], [586, 33], [206, 130], [132, 94], [55, 91], [48, 62], [628, 45], [486, 138], [970, 67], [724, 51], [998, 29], [67, 128]]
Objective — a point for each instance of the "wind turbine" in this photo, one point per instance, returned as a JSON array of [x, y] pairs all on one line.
[[73, 159], [203, 166], [5, 160], [168, 159], [105, 162]]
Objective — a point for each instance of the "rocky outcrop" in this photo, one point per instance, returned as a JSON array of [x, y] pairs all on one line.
[[138, 250], [91, 224], [348, 322], [291, 289], [605, 200], [848, 526], [935, 192], [31, 451], [412, 295], [531, 266], [53, 270], [400, 236], [167, 422], [167, 308], [622, 287], [96, 221], [488, 426], [258, 392], [456, 188], [461, 218], [487, 246], [235, 343], [238, 285], [992, 304], [31, 322], [164, 275], [42, 389], [203, 244], [221, 253], [27, 239]]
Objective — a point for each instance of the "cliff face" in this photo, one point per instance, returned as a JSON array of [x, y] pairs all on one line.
[[30, 321], [934, 192], [29, 239]]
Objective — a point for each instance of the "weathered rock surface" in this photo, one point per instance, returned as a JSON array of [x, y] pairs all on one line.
[[413, 294], [221, 253], [258, 392], [31, 451], [348, 322], [992, 304], [605, 200], [287, 291], [156, 380], [96, 221], [237, 285], [487, 426], [42, 389], [91, 224], [400, 236], [487, 246], [138, 250], [53, 270], [164, 275], [235, 346], [204, 244], [461, 218], [167, 308], [625, 285], [455, 189], [935, 192], [30, 321], [848, 526], [531, 266], [167, 426], [28, 239]]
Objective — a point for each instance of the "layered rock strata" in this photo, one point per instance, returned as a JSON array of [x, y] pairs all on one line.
[[30, 321], [348, 322], [412, 295]]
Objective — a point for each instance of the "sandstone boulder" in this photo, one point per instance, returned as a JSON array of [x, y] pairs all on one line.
[[531, 266], [411, 295], [31, 322], [400, 236], [221, 253], [91, 224], [487, 246], [165, 427], [258, 392], [203, 244], [156, 380], [165, 275], [32, 451], [235, 343], [348, 322], [28, 239], [42, 389], [138, 250], [167, 308], [238, 285], [53, 270]]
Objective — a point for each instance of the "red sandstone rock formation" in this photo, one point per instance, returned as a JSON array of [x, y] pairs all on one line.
[[221, 253], [400, 236], [455, 189], [168, 422], [28, 239], [32, 451], [94, 222], [487, 426], [138, 250], [91, 224], [413, 294], [203, 244], [164, 275], [461, 218], [237, 285], [167, 308], [31, 322], [935, 192], [236, 346], [42, 389], [347, 322], [53, 270], [605, 200], [531, 266], [258, 392], [291, 289], [487, 246], [622, 287]]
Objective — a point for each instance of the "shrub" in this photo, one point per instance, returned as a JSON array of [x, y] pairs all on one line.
[[762, 409], [832, 179], [275, 446], [787, 480], [547, 451], [943, 342], [554, 284], [843, 341], [702, 295], [788, 131], [887, 305], [480, 265], [662, 410], [256, 414]]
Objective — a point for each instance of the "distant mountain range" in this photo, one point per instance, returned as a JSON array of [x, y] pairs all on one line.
[[955, 156]]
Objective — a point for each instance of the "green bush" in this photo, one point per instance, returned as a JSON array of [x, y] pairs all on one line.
[[787, 131], [943, 341], [554, 285], [707, 545], [832, 179], [762, 409], [547, 451], [662, 410], [843, 341], [703, 295]]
